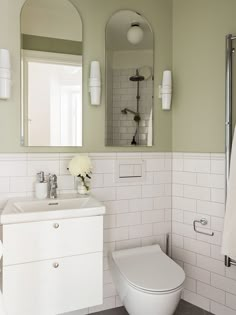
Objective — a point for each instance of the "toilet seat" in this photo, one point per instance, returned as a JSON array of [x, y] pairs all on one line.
[[162, 275]]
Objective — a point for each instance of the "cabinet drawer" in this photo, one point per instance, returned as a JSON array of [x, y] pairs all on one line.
[[26, 242], [45, 288]]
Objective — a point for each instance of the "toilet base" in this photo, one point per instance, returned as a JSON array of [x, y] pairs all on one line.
[[138, 302]]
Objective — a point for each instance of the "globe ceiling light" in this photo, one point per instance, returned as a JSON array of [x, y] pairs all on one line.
[[135, 34]]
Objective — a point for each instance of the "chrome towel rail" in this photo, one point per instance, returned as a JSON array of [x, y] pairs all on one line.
[[203, 221], [228, 118]]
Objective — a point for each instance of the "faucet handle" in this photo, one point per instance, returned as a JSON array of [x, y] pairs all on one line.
[[52, 177]]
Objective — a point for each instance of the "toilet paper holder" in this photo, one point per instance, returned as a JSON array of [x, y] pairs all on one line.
[[202, 221]]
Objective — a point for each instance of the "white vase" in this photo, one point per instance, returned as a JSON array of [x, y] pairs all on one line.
[[82, 190]]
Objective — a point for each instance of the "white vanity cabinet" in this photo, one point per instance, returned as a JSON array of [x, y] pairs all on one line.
[[52, 267]]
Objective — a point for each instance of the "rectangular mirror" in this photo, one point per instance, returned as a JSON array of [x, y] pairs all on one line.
[[129, 80], [51, 80]]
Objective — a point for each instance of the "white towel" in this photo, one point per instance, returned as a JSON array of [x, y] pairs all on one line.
[[2, 308], [229, 234]]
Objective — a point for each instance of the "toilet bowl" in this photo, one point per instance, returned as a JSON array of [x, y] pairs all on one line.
[[147, 280]]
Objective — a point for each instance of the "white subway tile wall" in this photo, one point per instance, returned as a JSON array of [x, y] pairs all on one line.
[[198, 191], [137, 213]]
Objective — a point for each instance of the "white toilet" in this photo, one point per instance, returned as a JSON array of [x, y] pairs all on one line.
[[147, 280]]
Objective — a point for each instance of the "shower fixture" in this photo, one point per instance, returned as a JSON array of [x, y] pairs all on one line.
[[137, 117], [135, 78]]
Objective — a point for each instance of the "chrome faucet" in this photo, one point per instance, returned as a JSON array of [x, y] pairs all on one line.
[[52, 186]]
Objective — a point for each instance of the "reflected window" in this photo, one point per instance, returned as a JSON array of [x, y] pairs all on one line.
[[53, 99]]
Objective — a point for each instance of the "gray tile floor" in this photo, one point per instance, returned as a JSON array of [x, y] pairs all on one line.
[[184, 308]]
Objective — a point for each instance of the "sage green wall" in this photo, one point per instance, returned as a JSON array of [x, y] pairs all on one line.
[[95, 14], [199, 29]]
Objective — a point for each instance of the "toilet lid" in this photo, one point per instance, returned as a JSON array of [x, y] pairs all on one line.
[[149, 268]]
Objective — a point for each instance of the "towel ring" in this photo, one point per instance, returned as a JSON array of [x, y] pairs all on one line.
[[203, 221]]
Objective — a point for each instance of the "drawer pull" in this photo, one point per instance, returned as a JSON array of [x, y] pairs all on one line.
[[55, 265], [56, 225]]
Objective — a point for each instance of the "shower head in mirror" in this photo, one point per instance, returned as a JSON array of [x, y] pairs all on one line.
[[137, 77]]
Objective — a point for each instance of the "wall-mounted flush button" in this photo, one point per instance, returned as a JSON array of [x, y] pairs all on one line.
[[126, 170], [130, 170]]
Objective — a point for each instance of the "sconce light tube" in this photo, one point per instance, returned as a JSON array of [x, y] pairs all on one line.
[[5, 74], [95, 83], [166, 90]]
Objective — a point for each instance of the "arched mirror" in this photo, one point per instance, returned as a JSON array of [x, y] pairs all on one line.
[[129, 80], [51, 80]]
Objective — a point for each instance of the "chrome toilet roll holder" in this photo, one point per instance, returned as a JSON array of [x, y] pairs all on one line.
[[202, 221]]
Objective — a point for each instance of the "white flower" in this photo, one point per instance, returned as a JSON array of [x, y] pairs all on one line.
[[80, 166]]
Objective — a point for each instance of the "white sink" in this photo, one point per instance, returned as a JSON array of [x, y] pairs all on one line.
[[66, 206]]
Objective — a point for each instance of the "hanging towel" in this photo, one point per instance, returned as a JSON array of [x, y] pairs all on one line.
[[229, 234], [2, 308]]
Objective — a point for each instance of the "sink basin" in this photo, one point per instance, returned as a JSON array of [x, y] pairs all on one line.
[[66, 206]]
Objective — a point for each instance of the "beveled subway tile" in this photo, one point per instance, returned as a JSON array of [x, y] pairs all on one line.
[[211, 292], [197, 273], [211, 208], [199, 193], [196, 299], [223, 283], [177, 240], [104, 194], [184, 255], [109, 221], [177, 215], [126, 244], [216, 254], [13, 157], [184, 203], [190, 284], [198, 165], [219, 309], [210, 264], [22, 184], [47, 166], [217, 224], [13, 168], [218, 166], [177, 164], [117, 206], [218, 195], [185, 178], [196, 246], [116, 234], [149, 191], [5, 184], [128, 219], [177, 190], [161, 228], [103, 166], [162, 177], [142, 230], [153, 216], [230, 301], [128, 192], [211, 180]]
